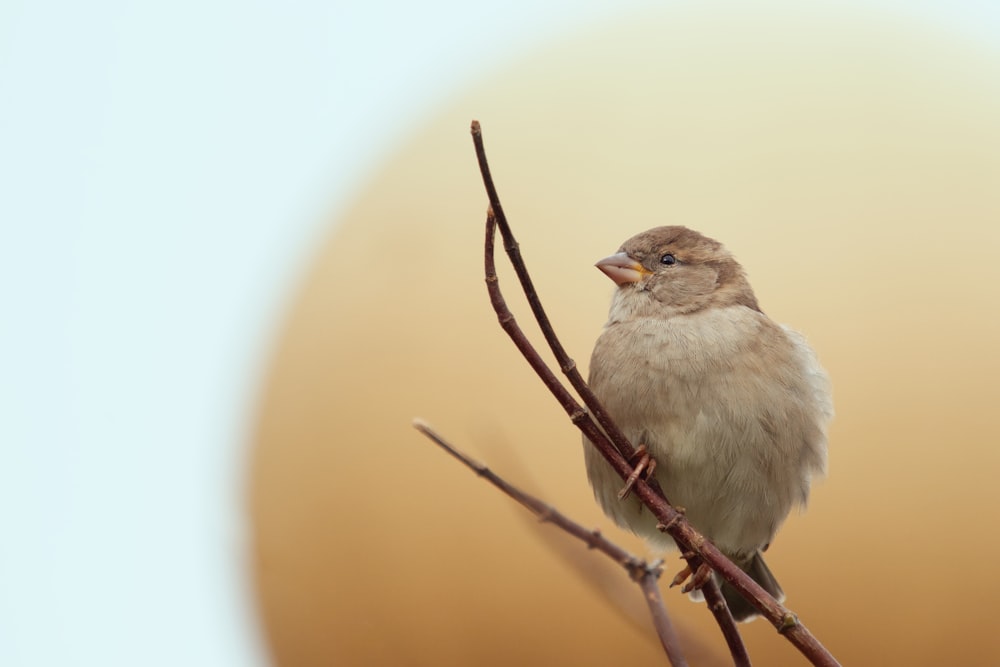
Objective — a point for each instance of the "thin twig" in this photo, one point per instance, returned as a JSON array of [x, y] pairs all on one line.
[[650, 585], [640, 571], [670, 520], [717, 605], [570, 370], [618, 439], [566, 363]]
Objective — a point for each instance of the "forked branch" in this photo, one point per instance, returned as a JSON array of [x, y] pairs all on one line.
[[640, 571], [616, 449]]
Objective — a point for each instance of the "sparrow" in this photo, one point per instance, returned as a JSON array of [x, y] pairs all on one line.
[[732, 407]]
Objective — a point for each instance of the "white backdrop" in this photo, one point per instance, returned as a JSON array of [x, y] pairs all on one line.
[[166, 170]]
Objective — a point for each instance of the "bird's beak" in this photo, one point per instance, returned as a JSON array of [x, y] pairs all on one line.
[[622, 269]]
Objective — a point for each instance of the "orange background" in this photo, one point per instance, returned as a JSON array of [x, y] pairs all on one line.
[[850, 161]]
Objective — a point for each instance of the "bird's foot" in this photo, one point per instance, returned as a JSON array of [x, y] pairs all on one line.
[[700, 578], [695, 580], [681, 576], [644, 468]]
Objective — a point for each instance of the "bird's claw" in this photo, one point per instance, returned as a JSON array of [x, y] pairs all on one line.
[[681, 576], [700, 578], [644, 468], [695, 580]]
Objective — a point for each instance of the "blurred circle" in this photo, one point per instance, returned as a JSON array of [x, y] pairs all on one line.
[[850, 161]]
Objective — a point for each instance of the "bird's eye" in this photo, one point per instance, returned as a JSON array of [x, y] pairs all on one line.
[[668, 260]]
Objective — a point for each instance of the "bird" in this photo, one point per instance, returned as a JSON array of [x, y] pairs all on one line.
[[732, 407]]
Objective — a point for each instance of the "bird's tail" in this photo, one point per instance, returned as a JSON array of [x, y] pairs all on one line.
[[759, 572]]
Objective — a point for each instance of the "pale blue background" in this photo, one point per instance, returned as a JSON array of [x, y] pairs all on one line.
[[166, 171]]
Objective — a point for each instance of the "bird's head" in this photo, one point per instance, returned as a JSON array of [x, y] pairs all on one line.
[[679, 269]]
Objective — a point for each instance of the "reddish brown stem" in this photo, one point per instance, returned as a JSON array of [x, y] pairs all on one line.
[[717, 605], [609, 434], [567, 364], [614, 447], [641, 572]]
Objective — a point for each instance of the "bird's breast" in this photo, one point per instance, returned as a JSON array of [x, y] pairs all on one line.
[[698, 386]]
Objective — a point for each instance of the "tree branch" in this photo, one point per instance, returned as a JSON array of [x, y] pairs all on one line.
[[616, 449], [717, 605], [640, 571]]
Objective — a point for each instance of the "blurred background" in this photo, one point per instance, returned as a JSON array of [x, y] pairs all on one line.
[[240, 250]]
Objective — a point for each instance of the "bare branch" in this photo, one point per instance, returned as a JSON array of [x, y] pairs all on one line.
[[640, 571], [717, 605], [614, 439], [614, 447], [567, 364]]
